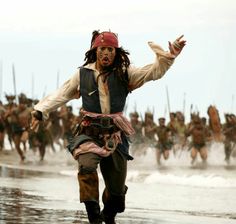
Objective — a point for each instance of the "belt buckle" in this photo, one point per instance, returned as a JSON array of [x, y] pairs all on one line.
[[105, 122]]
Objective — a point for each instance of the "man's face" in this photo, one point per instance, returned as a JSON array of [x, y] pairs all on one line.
[[105, 56], [162, 122], [134, 118]]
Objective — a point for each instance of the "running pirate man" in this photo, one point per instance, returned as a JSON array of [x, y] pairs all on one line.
[[103, 83]]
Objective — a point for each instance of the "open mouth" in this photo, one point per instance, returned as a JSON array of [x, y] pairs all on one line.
[[105, 60]]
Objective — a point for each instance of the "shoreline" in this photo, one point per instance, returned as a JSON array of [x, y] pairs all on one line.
[[54, 162]]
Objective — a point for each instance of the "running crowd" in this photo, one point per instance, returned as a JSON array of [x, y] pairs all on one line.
[[177, 135]]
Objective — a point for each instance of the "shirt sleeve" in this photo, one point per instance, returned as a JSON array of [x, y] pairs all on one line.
[[68, 91], [154, 71]]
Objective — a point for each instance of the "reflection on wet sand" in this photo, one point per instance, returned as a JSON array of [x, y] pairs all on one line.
[[23, 206], [22, 173], [15, 173], [16, 207]]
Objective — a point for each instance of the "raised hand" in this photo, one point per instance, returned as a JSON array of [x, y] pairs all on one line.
[[177, 46], [36, 117]]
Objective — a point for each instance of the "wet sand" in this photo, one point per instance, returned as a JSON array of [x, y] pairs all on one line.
[[18, 207], [40, 192], [24, 200]]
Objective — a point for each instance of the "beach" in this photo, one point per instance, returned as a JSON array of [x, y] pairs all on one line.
[[175, 193]]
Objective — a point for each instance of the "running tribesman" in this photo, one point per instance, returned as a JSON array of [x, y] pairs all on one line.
[[229, 131], [164, 143], [200, 135]]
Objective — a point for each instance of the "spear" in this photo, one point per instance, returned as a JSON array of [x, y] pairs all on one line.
[[184, 103], [168, 100], [32, 86], [232, 104], [58, 77], [191, 108], [135, 106], [45, 91], [14, 82], [165, 111]]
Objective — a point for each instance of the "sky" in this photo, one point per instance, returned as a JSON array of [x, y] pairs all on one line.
[[46, 41]]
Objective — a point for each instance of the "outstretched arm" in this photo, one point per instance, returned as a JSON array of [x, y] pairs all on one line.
[[68, 91], [164, 60]]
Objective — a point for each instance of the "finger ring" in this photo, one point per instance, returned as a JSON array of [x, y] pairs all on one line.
[[176, 45]]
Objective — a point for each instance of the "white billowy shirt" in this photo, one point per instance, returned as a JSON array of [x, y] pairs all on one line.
[[136, 76]]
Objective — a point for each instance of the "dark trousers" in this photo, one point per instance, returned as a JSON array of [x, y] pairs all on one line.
[[114, 171]]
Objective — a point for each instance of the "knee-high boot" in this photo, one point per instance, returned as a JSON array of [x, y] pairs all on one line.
[[93, 211], [113, 204], [89, 194]]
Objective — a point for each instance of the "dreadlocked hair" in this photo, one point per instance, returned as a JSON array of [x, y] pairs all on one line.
[[121, 64], [121, 61], [94, 35]]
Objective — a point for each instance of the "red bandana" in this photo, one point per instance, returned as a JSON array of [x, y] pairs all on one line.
[[106, 39]]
